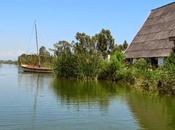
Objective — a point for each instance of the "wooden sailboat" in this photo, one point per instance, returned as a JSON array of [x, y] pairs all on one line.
[[36, 68]]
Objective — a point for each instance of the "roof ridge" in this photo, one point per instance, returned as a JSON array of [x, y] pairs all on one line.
[[163, 6]]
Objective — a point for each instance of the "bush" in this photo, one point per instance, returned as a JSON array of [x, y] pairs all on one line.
[[113, 70], [89, 65], [77, 66], [66, 66], [167, 83], [145, 75]]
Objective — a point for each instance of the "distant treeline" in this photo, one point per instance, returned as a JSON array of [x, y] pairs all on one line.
[[46, 59], [8, 62]]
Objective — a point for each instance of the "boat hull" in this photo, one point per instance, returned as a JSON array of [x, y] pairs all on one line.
[[36, 69]]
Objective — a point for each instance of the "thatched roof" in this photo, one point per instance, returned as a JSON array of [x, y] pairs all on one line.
[[153, 38]]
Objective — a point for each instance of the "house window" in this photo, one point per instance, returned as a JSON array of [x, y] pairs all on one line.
[[160, 61]]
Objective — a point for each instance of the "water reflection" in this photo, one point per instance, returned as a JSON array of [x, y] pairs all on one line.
[[34, 83], [65, 104], [72, 92], [85, 92], [35, 80], [153, 112], [81, 102]]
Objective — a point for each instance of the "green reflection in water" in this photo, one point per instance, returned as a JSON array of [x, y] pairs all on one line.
[[153, 112], [85, 92]]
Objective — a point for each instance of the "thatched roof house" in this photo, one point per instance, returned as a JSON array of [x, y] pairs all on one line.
[[156, 38]]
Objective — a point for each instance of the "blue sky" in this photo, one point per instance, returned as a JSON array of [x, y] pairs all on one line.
[[61, 19]]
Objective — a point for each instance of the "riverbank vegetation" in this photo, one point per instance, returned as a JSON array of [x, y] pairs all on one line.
[[99, 57]]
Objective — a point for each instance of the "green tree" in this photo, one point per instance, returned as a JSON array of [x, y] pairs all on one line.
[[84, 44], [45, 58], [43, 51], [62, 47], [104, 42], [123, 46], [88, 57]]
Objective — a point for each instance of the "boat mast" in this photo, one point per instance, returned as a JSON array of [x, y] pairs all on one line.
[[37, 45]]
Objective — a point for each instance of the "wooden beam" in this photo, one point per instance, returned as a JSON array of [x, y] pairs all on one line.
[[171, 38]]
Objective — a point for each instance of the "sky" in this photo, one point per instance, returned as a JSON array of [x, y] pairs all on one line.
[[61, 19]]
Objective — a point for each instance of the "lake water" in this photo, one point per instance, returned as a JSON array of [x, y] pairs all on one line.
[[40, 102]]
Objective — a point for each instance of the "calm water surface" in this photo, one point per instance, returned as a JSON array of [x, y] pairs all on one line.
[[39, 102]]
